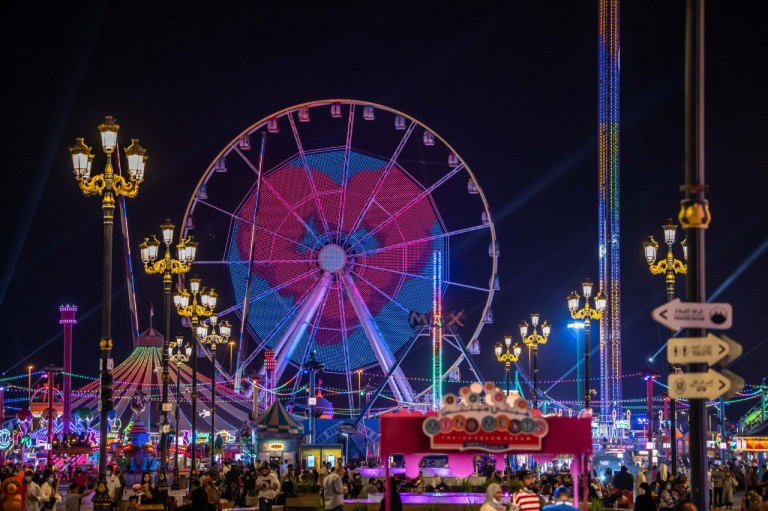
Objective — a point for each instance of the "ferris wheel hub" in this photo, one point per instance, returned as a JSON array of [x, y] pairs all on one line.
[[332, 258]]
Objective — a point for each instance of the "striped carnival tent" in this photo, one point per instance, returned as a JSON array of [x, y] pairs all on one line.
[[276, 420], [141, 371]]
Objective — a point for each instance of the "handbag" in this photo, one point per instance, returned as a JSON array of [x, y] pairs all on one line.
[[50, 504]]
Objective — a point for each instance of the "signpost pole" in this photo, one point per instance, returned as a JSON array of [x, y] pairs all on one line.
[[694, 217]]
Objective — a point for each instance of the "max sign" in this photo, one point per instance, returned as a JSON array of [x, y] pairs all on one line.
[[497, 423]]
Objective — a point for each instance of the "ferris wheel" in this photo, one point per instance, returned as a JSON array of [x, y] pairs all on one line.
[[329, 223]]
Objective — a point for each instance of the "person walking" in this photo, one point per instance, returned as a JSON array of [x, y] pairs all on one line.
[[333, 490], [729, 486], [80, 478], [73, 498], [640, 478], [667, 500], [267, 485], [644, 500], [49, 494], [718, 483], [623, 480], [32, 500], [113, 484], [526, 499], [493, 499]]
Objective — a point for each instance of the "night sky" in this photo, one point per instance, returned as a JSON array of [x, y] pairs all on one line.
[[511, 85]]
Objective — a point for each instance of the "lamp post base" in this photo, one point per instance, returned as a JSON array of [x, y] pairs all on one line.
[[101, 500]]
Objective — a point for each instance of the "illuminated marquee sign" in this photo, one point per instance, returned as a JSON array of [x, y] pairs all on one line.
[[500, 423], [273, 446], [622, 424], [5, 438]]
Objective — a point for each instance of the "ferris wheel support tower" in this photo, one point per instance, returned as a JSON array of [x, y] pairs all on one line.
[[608, 205]]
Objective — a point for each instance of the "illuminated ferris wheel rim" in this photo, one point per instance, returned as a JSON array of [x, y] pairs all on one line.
[[326, 263]]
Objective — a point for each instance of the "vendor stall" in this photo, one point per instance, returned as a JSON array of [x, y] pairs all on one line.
[[484, 420], [755, 442], [276, 436]]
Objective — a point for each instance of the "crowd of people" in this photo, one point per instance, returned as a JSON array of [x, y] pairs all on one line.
[[649, 489], [40, 488]]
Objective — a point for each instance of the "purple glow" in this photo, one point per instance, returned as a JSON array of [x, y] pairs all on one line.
[[429, 498]]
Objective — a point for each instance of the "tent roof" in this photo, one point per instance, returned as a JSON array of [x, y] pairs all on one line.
[[142, 371], [151, 337], [276, 419]]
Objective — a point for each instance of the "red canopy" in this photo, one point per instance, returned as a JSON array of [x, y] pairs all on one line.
[[402, 433]]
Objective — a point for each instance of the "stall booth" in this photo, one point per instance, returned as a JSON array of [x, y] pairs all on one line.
[[755, 443], [485, 420], [313, 456], [276, 436]]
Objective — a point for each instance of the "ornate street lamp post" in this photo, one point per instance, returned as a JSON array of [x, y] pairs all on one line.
[[109, 186], [507, 357], [534, 340], [167, 266], [587, 314], [194, 311], [213, 339], [669, 266], [179, 358]]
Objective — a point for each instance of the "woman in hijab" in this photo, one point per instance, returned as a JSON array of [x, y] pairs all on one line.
[[493, 499]]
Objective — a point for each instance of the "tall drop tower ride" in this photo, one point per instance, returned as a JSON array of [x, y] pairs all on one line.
[[608, 183]]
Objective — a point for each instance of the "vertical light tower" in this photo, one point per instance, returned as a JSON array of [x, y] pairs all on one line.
[[68, 320], [437, 330], [270, 365], [608, 206]]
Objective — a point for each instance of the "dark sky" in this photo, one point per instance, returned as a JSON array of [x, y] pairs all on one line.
[[511, 85]]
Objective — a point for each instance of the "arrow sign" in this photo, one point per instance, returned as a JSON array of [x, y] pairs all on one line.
[[709, 385], [702, 350], [676, 315]]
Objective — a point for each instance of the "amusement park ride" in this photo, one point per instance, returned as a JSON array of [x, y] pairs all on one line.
[[335, 243], [342, 229], [331, 228]]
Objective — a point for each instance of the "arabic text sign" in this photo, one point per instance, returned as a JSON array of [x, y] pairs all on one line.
[[709, 385], [677, 315], [702, 350]]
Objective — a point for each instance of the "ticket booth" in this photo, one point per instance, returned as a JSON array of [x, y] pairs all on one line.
[[276, 436], [277, 450]]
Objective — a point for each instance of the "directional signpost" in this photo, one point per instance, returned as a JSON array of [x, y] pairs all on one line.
[[703, 350], [676, 315], [709, 385], [709, 350]]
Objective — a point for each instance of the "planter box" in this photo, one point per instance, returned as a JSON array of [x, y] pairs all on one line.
[[303, 501]]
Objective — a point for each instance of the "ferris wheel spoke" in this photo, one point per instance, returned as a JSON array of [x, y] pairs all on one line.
[[345, 344], [345, 169], [410, 204], [287, 344], [278, 195], [380, 291], [423, 277], [399, 385], [381, 180], [277, 327], [309, 175], [270, 291], [250, 223], [292, 211], [225, 212], [426, 239], [310, 343], [270, 261]]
